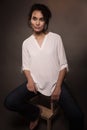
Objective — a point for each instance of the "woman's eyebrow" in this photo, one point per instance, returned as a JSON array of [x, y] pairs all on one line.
[[37, 17]]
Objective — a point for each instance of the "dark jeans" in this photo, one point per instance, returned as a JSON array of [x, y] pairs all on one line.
[[17, 101]]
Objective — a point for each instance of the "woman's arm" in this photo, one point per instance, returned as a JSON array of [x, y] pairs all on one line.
[[57, 91], [30, 82]]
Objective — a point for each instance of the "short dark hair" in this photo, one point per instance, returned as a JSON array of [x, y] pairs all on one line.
[[44, 10]]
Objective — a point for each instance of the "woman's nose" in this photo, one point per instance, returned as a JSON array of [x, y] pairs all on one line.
[[37, 22]]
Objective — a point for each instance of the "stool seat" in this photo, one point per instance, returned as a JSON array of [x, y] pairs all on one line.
[[46, 113]]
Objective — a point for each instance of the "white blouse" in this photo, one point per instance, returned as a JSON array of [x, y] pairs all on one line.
[[45, 62]]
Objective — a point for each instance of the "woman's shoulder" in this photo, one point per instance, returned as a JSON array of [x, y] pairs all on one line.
[[27, 40], [54, 35]]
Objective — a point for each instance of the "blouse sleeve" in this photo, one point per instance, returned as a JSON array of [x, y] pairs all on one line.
[[61, 55], [25, 58]]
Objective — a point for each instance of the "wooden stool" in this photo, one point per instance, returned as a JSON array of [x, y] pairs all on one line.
[[48, 109]]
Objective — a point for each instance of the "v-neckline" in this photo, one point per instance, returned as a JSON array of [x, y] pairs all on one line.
[[43, 41]]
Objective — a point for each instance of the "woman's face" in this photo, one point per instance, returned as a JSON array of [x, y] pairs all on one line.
[[37, 21]]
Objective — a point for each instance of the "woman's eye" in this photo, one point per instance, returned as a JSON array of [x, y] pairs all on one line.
[[34, 18], [42, 19]]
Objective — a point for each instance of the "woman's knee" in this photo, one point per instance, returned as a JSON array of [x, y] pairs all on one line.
[[10, 101], [14, 98]]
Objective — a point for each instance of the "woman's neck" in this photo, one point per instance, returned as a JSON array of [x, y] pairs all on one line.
[[39, 37], [40, 34]]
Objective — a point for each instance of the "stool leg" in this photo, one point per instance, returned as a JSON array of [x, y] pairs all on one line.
[[48, 124]]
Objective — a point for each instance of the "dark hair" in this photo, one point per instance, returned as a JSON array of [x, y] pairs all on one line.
[[44, 10]]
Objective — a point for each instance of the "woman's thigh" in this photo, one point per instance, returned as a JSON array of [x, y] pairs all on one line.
[[18, 96]]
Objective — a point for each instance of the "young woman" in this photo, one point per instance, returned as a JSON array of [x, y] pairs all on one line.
[[45, 65]]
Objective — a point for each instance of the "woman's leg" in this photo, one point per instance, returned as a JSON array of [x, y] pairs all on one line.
[[71, 109], [17, 101]]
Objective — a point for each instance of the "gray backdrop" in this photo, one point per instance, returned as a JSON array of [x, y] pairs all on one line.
[[69, 20]]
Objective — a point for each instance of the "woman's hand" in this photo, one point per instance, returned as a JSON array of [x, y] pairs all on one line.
[[31, 86], [56, 93]]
